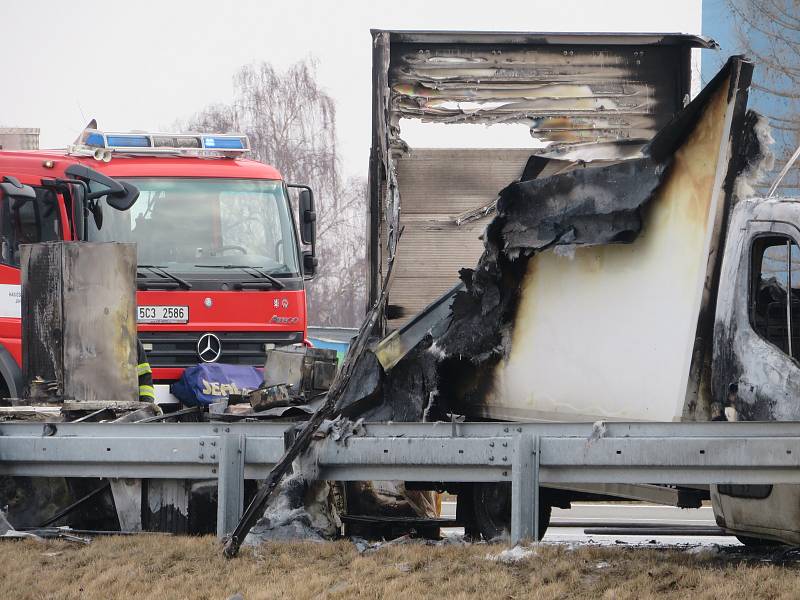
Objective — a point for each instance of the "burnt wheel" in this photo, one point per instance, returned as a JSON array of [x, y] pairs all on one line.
[[491, 511]]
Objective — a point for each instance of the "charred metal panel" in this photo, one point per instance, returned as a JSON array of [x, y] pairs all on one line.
[[384, 205], [588, 207], [584, 97], [610, 331], [127, 494], [78, 321], [42, 321], [165, 505], [565, 93], [549, 38]]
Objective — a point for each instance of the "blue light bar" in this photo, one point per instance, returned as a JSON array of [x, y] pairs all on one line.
[[224, 143], [128, 141], [95, 139], [101, 144]]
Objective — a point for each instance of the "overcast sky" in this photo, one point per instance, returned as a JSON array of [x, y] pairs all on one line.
[[142, 64]]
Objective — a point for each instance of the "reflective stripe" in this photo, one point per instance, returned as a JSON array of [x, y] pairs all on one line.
[[143, 368], [147, 390]]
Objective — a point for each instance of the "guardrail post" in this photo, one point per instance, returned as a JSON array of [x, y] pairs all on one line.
[[537, 446], [230, 482], [525, 489]]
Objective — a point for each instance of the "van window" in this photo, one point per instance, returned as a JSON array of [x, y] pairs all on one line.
[[30, 222], [775, 292]]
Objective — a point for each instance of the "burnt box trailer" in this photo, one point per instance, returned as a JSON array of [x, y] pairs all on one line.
[[623, 270]]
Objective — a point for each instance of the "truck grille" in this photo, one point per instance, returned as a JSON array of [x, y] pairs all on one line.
[[178, 349]]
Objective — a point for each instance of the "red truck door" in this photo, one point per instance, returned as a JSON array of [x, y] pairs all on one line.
[[40, 219]]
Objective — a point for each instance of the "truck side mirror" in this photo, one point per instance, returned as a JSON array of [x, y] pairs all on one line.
[[308, 228], [119, 195], [18, 192], [310, 263], [123, 201], [308, 217]]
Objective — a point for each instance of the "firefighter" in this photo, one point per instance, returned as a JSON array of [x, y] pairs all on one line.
[[147, 393]]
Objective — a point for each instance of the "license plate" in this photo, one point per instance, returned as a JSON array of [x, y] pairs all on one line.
[[162, 314]]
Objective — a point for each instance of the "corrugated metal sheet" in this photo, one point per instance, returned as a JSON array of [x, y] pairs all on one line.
[[415, 293], [451, 181], [451, 246], [437, 185]]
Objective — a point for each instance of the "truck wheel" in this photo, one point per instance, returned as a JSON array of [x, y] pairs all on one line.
[[491, 511]]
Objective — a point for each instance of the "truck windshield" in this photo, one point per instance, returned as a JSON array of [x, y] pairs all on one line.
[[194, 225]]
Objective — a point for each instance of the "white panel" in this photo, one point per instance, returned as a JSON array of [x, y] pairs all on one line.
[[609, 332]]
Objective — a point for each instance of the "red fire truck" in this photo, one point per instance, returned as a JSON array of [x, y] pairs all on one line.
[[221, 259]]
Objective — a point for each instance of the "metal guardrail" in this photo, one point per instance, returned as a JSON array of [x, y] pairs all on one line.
[[525, 454]]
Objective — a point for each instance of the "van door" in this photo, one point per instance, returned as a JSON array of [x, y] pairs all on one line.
[[756, 368]]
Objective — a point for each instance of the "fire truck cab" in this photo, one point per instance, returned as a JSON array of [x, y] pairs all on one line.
[[221, 259]]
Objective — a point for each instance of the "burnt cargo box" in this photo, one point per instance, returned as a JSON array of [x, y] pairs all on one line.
[[79, 321]]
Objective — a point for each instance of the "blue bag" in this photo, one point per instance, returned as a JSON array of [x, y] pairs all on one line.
[[206, 383]]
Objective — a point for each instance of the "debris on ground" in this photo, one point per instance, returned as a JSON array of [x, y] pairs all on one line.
[[8, 532], [301, 510], [363, 545], [512, 555], [704, 551]]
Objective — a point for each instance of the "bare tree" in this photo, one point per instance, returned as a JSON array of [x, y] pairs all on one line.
[[216, 118], [291, 123], [338, 294], [768, 31]]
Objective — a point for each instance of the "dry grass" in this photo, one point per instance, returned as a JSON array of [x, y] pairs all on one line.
[[167, 567]]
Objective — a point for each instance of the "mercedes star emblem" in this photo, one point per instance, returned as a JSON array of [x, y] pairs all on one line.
[[209, 348]]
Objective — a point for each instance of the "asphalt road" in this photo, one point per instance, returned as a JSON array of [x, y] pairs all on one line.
[[572, 525], [627, 521]]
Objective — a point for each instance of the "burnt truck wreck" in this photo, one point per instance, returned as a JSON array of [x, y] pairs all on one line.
[[623, 272], [612, 266]]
